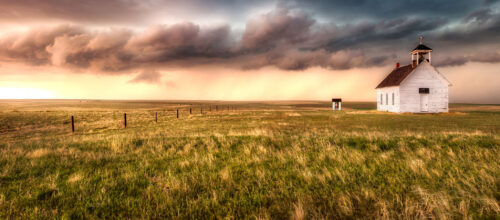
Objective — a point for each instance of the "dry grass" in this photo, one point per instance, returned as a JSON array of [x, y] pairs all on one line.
[[275, 160]]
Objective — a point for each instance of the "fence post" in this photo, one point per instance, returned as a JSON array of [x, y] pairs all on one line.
[[156, 119], [216, 108], [190, 110], [177, 113], [72, 124], [125, 119]]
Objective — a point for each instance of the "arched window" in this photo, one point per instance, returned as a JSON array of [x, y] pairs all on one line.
[[392, 98], [381, 99], [387, 98]]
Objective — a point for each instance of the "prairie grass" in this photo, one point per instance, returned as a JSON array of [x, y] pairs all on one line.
[[271, 160]]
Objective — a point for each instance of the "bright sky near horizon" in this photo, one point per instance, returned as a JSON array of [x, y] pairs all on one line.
[[241, 50]]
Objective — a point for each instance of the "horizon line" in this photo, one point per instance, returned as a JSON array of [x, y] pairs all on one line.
[[220, 100]]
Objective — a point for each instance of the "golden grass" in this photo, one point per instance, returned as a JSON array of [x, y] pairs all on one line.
[[264, 161], [75, 177], [38, 153]]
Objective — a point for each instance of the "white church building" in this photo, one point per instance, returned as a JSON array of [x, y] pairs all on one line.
[[415, 88]]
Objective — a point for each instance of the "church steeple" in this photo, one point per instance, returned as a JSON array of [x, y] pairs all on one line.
[[419, 53]]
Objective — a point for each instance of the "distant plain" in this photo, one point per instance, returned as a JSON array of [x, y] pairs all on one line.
[[281, 159]]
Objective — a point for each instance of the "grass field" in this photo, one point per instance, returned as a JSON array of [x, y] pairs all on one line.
[[260, 160]]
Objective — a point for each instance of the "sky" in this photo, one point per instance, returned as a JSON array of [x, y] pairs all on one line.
[[241, 49]]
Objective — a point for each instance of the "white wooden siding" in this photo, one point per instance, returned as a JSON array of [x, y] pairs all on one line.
[[424, 76], [407, 96], [387, 105]]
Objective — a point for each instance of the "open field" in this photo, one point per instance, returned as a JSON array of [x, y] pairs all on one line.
[[259, 160]]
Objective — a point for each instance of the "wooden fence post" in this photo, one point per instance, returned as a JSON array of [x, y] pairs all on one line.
[[125, 119], [72, 124], [190, 110], [177, 113], [156, 119]]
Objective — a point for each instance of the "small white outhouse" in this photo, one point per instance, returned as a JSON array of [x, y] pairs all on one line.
[[337, 104], [416, 88]]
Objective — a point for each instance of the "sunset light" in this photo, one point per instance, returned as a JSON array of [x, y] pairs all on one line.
[[249, 109], [24, 93]]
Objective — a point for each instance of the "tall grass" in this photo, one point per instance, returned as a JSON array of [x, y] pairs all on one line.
[[268, 162]]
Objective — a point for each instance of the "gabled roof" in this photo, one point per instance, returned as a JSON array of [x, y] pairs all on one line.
[[422, 47], [396, 76]]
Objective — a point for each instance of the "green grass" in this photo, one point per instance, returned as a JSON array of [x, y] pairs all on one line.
[[270, 160]]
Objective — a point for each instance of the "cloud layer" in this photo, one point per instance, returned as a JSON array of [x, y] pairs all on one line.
[[282, 38], [287, 37]]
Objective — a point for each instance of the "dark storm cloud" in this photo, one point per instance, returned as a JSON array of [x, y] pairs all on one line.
[[486, 57], [186, 40], [480, 26], [146, 11], [481, 15], [280, 26], [296, 59], [489, 2], [451, 61], [274, 39], [388, 9], [477, 57], [286, 37], [383, 30], [31, 47], [115, 50]]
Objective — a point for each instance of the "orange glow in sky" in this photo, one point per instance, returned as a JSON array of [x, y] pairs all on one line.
[[249, 50], [24, 93], [231, 84]]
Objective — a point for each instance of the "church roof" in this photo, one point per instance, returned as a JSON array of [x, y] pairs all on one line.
[[396, 76], [422, 47]]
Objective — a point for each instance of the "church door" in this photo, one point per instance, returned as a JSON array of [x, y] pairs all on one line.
[[424, 102]]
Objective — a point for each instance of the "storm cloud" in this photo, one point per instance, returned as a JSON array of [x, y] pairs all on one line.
[[276, 38], [288, 36], [114, 50], [478, 57]]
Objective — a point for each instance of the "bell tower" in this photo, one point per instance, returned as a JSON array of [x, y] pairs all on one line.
[[420, 53]]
